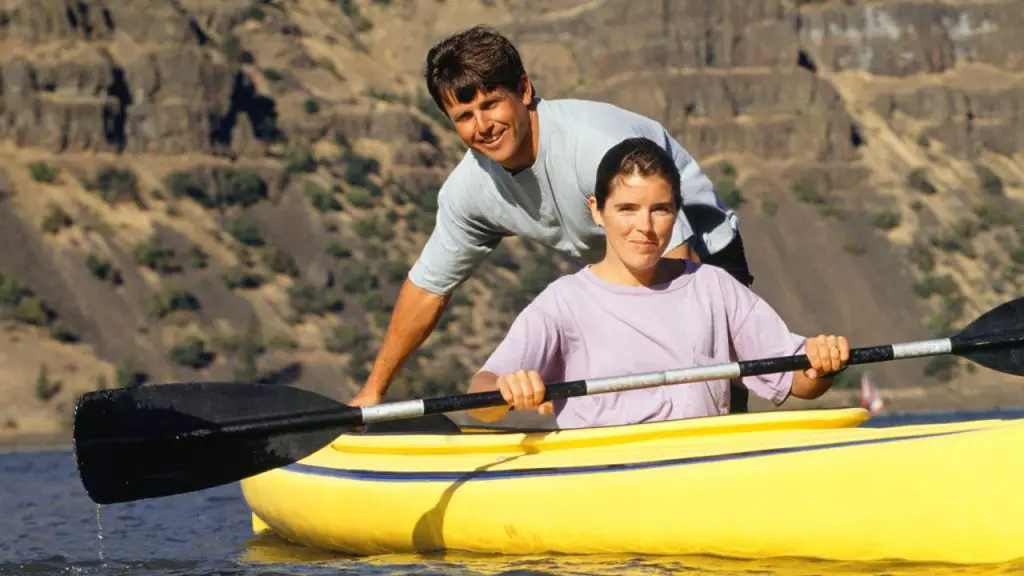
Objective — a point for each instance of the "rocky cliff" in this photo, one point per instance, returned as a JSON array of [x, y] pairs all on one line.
[[214, 190]]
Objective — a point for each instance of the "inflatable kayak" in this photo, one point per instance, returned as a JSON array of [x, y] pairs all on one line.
[[777, 484]]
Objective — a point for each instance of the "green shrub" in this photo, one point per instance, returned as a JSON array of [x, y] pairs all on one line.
[[242, 187], [33, 311], [280, 262], [128, 376], [941, 368], [56, 219], [372, 227], [918, 180], [395, 270], [990, 181], [152, 254], [730, 194], [886, 220], [345, 338], [117, 185], [12, 291], [196, 258], [921, 256], [42, 172], [806, 193], [373, 302], [104, 270], [282, 341], [337, 249], [359, 198], [182, 185], [173, 299], [243, 277], [61, 333], [322, 200], [46, 388], [458, 299], [305, 298], [358, 170], [245, 232], [191, 352], [943, 285], [991, 216], [300, 159], [357, 277]]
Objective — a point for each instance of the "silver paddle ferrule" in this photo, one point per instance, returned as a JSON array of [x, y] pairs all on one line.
[[922, 348], [686, 375], [392, 411]]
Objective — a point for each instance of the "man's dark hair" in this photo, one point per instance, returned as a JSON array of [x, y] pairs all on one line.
[[478, 59], [640, 156]]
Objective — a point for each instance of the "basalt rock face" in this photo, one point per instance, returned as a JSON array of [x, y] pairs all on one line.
[[217, 190]]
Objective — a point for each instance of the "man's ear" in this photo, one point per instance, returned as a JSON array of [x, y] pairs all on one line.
[[526, 90]]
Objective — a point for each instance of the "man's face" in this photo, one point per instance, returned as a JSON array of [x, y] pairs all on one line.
[[496, 124]]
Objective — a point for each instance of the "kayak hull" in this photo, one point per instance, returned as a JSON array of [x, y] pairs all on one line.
[[779, 484]]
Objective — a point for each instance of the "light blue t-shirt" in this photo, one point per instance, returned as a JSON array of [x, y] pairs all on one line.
[[480, 203]]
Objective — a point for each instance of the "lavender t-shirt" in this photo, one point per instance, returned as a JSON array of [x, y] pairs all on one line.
[[582, 326]]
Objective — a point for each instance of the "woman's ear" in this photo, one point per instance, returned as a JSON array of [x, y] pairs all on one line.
[[594, 212]]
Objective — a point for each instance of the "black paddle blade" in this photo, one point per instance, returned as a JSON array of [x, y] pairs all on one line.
[[995, 339], [159, 440]]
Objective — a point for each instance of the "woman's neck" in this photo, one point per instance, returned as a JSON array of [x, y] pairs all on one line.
[[614, 271]]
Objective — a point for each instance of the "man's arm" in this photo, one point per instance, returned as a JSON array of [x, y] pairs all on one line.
[[704, 222], [416, 314], [457, 245]]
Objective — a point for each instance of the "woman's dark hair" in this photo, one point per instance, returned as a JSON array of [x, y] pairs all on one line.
[[639, 156], [478, 59]]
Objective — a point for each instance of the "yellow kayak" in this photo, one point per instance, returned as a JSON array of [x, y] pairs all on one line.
[[779, 484]]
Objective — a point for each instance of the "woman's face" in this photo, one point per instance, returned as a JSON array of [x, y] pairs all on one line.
[[638, 218]]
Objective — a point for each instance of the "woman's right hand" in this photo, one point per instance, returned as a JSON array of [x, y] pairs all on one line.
[[524, 389]]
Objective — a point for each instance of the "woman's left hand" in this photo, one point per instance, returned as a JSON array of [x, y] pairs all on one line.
[[828, 354]]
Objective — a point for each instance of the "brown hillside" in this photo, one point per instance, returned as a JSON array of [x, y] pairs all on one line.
[[213, 190]]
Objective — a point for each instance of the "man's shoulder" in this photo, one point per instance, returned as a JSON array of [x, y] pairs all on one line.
[[598, 117]]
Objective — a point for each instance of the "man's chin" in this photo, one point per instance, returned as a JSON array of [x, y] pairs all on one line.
[[500, 156]]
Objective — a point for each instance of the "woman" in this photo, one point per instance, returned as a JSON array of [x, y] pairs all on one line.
[[636, 312]]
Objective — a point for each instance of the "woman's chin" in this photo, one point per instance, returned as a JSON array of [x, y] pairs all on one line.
[[639, 264]]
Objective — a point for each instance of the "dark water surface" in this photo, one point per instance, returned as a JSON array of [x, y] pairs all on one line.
[[49, 526]]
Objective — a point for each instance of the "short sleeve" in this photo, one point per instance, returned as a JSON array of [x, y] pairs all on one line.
[[455, 247], [757, 331], [533, 343], [713, 223]]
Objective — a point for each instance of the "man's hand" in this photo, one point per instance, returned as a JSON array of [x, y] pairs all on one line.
[[365, 397]]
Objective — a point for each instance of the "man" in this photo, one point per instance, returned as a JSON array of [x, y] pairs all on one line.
[[529, 170]]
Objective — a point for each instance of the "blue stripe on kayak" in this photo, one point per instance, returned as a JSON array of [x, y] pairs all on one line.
[[388, 476]]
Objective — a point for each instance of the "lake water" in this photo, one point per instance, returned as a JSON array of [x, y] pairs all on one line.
[[49, 526]]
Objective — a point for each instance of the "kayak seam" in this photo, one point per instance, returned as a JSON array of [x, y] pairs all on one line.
[[401, 476]]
